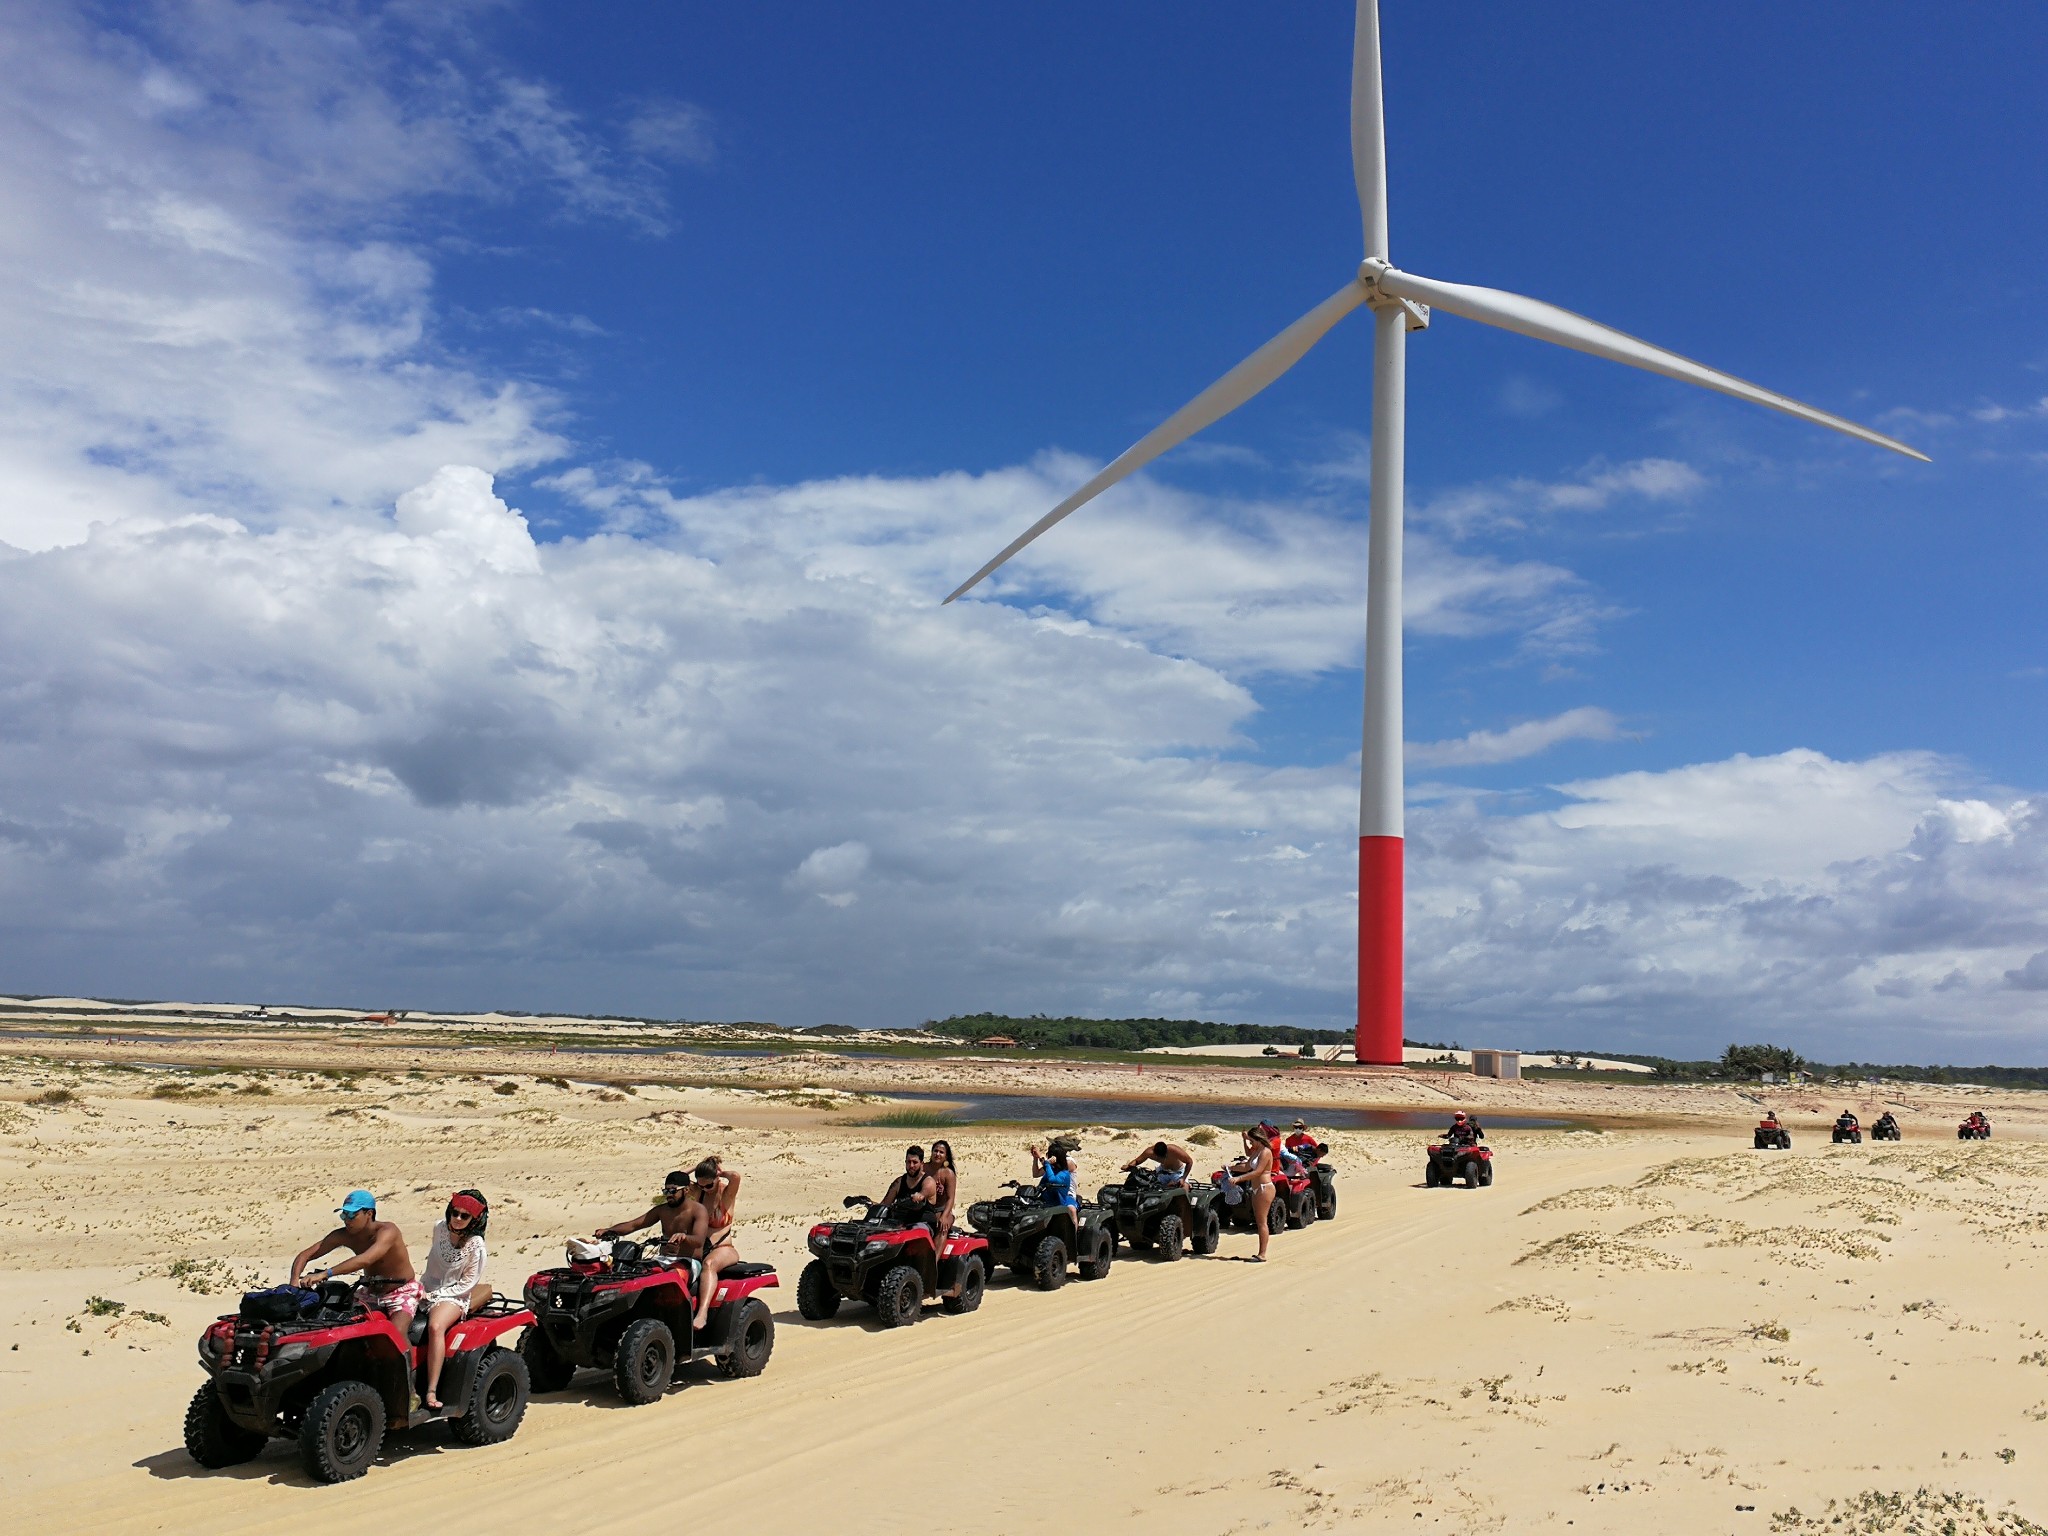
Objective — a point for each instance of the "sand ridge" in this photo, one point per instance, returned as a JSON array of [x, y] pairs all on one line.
[[1637, 1325]]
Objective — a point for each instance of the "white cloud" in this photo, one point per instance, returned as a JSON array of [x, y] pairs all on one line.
[[1518, 503], [1527, 739]]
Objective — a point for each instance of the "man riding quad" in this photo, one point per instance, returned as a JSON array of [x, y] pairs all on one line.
[[1459, 1155], [1975, 1128], [1156, 1208], [1770, 1135], [1886, 1128], [684, 1222], [1848, 1127]]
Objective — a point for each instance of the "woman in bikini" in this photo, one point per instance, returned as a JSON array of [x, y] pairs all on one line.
[[717, 1189], [947, 1178], [1256, 1178]]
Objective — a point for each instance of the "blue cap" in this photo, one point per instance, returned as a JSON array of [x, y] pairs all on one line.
[[358, 1200]]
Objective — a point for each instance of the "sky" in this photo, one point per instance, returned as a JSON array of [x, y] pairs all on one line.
[[477, 482]]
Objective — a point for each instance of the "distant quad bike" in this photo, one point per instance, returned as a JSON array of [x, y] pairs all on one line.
[[1847, 1128], [1976, 1128], [1451, 1161], [631, 1316], [1157, 1218], [1771, 1136], [1886, 1128], [887, 1260], [319, 1368], [1037, 1239], [1322, 1180]]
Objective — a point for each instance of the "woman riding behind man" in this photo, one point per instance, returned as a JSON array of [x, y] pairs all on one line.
[[716, 1188], [454, 1279], [947, 1178]]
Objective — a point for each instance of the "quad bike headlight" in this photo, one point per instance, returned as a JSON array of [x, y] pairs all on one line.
[[288, 1354], [874, 1246]]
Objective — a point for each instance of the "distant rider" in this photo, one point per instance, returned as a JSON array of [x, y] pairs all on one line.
[[1301, 1142], [389, 1283], [1464, 1131]]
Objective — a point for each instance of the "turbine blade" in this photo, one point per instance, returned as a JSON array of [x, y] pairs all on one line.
[[1369, 128], [1212, 404], [1547, 322]]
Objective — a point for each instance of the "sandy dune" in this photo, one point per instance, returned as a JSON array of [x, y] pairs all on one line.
[[1646, 1328]]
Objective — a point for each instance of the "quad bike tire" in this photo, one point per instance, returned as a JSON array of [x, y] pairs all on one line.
[[1168, 1238], [1305, 1213], [1049, 1263], [900, 1297], [645, 1362], [212, 1438], [546, 1370], [497, 1399], [1097, 1267], [1207, 1234], [1432, 1176], [342, 1432], [1326, 1206], [973, 1286], [753, 1341], [817, 1298], [1473, 1168], [1486, 1175]]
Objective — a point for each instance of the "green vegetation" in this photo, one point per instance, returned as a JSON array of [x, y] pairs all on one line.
[[55, 1096], [1747, 1063], [1041, 1032], [100, 1306], [912, 1120]]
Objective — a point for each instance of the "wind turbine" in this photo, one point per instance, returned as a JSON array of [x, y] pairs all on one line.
[[1400, 302]]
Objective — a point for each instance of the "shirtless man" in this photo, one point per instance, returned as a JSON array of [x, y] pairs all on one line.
[[914, 1183], [388, 1283], [684, 1222], [1175, 1162]]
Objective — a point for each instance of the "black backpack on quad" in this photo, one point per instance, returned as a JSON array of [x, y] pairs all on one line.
[[1154, 1217], [1886, 1128], [887, 1260], [1038, 1238], [631, 1316], [1847, 1128], [1452, 1161], [322, 1369], [1772, 1138]]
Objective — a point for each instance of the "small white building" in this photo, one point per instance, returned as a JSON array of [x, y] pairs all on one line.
[[1497, 1064]]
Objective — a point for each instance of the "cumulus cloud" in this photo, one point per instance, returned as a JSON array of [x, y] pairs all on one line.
[[1518, 503], [1527, 739]]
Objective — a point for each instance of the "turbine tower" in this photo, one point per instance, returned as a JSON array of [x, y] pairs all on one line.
[[1400, 302]]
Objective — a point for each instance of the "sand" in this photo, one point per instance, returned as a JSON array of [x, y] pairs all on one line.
[[1642, 1327]]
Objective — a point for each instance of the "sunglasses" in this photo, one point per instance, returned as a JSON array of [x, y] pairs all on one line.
[[460, 1216]]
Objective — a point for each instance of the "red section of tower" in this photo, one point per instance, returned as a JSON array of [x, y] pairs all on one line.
[[1379, 951]]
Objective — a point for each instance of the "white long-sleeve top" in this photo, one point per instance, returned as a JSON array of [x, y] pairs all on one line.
[[452, 1268]]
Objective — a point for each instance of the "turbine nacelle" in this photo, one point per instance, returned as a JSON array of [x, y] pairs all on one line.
[[1372, 273]]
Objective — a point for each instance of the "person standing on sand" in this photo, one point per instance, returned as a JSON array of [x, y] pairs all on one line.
[[681, 1221], [454, 1279], [388, 1283], [1254, 1174], [946, 1180]]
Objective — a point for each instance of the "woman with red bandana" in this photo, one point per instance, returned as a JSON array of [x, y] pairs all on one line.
[[454, 1279]]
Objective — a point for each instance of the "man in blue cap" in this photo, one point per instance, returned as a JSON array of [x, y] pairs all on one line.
[[388, 1283]]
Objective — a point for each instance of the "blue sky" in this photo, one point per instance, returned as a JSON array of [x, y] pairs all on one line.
[[774, 324]]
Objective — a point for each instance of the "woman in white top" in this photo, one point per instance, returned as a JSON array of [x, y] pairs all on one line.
[[453, 1280]]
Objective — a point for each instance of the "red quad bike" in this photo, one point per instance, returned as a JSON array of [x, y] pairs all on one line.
[[631, 1316], [887, 1260], [1847, 1128], [1450, 1161], [334, 1375], [1294, 1204], [1976, 1128], [1770, 1136]]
